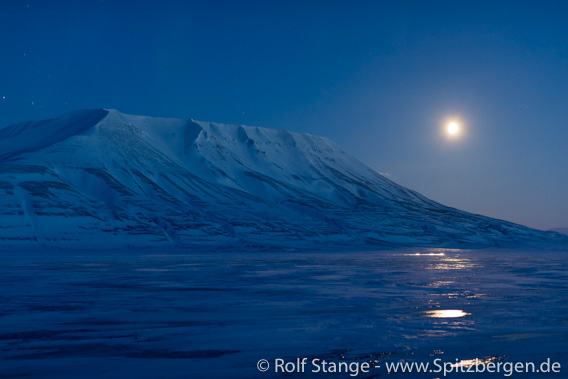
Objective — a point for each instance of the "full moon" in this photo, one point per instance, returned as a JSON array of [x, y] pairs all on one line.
[[453, 128]]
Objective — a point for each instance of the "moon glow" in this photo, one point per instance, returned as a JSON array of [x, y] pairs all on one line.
[[453, 128]]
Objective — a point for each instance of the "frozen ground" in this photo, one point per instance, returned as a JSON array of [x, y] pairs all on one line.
[[193, 314]]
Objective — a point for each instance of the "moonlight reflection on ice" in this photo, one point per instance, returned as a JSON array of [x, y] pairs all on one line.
[[447, 313]]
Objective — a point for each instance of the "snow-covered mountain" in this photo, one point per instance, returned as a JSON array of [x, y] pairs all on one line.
[[103, 179]]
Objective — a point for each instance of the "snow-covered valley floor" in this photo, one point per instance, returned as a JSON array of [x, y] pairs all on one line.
[[192, 314]]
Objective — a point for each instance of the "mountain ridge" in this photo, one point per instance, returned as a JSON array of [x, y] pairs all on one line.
[[104, 179]]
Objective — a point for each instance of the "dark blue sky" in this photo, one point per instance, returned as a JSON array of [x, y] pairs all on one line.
[[380, 78]]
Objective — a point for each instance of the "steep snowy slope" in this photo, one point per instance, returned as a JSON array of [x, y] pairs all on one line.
[[103, 179]]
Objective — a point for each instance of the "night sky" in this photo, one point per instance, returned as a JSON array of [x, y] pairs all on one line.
[[380, 78]]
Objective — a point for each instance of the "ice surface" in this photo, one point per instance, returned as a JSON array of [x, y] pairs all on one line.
[[194, 313]]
